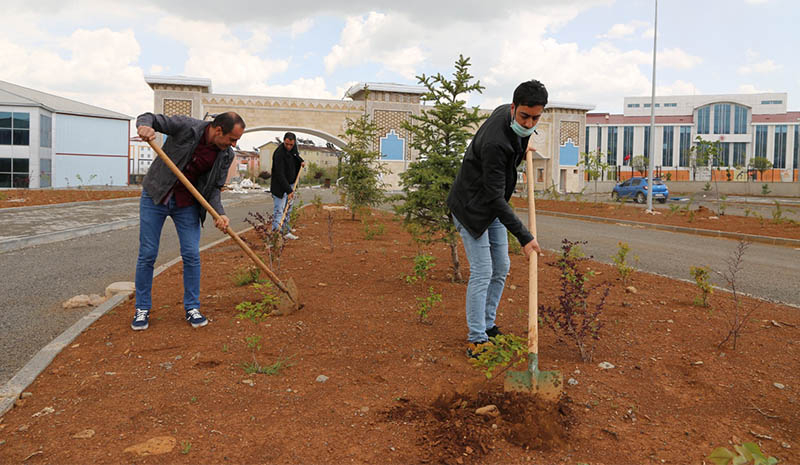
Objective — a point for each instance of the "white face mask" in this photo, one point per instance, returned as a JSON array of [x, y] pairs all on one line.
[[521, 130]]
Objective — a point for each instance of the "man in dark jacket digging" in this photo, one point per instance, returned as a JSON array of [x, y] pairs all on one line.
[[202, 151], [479, 199], [286, 163]]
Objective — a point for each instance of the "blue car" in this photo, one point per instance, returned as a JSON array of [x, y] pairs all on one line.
[[636, 189]]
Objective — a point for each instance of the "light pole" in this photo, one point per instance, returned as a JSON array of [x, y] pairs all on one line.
[[652, 161]]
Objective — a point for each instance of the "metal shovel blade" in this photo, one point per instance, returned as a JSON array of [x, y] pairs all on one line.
[[545, 384], [288, 302]]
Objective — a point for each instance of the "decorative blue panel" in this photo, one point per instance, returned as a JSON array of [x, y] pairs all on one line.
[[568, 154], [392, 146]]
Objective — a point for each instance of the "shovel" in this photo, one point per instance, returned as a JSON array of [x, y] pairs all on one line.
[[286, 207], [546, 384], [288, 302]]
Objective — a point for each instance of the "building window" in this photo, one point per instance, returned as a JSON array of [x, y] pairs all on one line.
[[704, 120], [14, 172], [599, 140], [740, 120], [633, 105], [760, 150], [780, 147], [646, 150], [627, 145], [771, 102], [666, 148], [685, 145], [796, 145], [647, 105], [670, 105], [586, 141], [724, 156], [722, 118], [45, 131], [739, 153], [612, 145], [14, 128]]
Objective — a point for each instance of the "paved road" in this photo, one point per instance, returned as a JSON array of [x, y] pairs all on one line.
[[769, 271], [37, 279]]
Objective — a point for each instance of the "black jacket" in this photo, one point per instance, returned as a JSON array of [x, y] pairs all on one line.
[[184, 134], [285, 166], [487, 178]]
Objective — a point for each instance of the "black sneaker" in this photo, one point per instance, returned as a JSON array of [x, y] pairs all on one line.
[[475, 349], [195, 318], [141, 320], [494, 331]]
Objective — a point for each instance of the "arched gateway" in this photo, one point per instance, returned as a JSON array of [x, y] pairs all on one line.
[[388, 105]]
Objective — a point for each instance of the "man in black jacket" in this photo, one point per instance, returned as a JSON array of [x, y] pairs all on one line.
[[286, 163], [202, 151], [479, 199]]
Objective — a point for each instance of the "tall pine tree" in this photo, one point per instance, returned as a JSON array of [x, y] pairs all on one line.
[[361, 166], [440, 134]]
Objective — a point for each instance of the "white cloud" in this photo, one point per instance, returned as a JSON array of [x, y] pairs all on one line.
[[619, 31], [301, 27], [98, 67], [751, 89], [676, 58], [756, 2], [766, 66], [648, 33], [678, 87]]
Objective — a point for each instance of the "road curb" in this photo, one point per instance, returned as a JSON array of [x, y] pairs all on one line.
[[665, 227], [11, 391]]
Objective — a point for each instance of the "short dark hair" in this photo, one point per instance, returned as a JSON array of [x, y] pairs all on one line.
[[530, 93], [227, 121], [290, 136]]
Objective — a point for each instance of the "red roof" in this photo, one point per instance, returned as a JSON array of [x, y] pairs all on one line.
[[789, 117]]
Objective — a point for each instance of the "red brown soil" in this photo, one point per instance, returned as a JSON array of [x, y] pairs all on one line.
[[401, 391], [30, 197], [701, 219]]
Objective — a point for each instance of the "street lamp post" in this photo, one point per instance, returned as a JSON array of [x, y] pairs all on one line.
[[652, 161]]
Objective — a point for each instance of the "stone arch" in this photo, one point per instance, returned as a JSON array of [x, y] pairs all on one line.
[[314, 132]]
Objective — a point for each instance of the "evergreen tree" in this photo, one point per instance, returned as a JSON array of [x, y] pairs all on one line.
[[361, 166], [440, 134]]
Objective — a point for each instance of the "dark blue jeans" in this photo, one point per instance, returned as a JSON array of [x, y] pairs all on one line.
[[187, 223]]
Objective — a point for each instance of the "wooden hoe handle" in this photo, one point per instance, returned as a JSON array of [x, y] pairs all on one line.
[[199, 197], [533, 262], [286, 207]]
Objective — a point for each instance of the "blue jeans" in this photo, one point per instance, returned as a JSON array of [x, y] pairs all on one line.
[[488, 268], [187, 223], [277, 212]]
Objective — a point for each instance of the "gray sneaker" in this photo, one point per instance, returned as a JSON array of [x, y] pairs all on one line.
[[290, 236]]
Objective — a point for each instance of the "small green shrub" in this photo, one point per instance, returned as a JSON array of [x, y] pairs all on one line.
[[426, 304], [702, 277], [257, 311], [373, 229], [673, 209], [765, 189], [422, 264], [505, 350], [707, 186], [255, 368], [624, 269], [747, 453], [513, 244], [186, 446]]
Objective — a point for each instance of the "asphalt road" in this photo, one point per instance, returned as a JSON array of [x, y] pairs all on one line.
[[769, 271], [38, 279]]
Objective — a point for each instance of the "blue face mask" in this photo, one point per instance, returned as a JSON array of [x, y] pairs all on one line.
[[521, 130]]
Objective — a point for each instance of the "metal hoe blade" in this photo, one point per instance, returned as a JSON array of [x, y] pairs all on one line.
[[545, 384]]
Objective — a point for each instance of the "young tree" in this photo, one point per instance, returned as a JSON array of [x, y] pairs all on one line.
[[640, 164], [594, 166], [361, 167], [760, 164], [702, 153], [440, 134]]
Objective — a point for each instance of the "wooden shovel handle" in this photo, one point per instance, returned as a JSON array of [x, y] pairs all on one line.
[[199, 197], [286, 207], [533, 262]]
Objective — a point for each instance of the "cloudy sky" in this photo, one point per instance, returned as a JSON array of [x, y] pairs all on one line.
[[585, 51]]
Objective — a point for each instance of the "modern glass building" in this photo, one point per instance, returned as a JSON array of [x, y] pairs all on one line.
[[51, 141], [744, 126]]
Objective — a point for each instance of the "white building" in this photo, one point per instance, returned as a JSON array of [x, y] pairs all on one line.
[[745, 125], [141, 157], [51, 141]]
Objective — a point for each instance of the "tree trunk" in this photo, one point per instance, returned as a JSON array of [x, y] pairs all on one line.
[[454, 258]]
